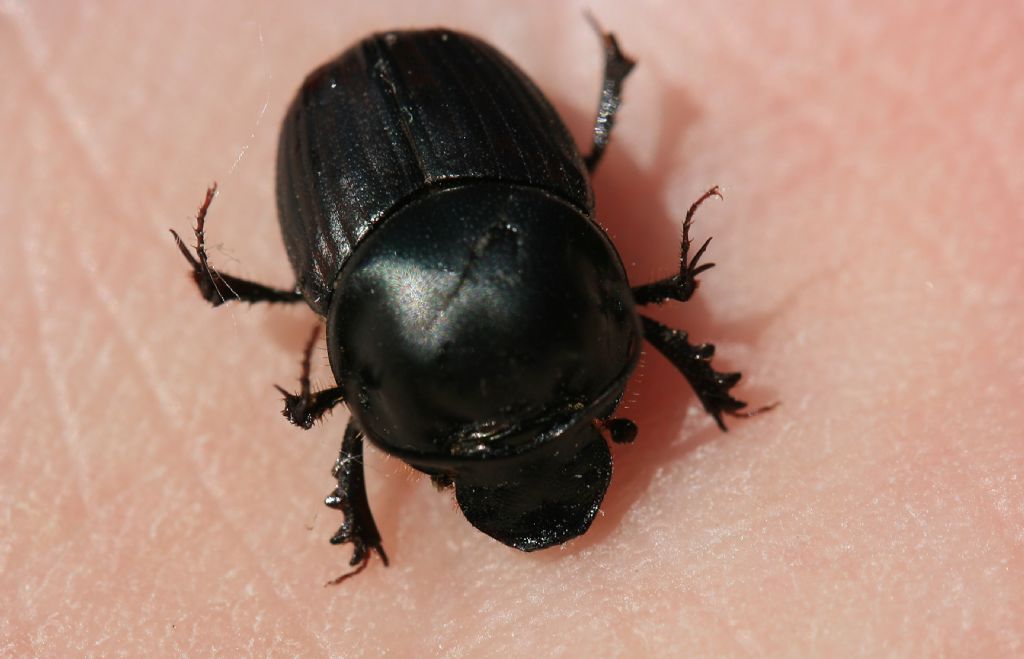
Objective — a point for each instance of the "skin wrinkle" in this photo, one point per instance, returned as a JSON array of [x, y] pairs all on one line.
[[139, 353], [895, 85], [143, 358], [257, 557], [65, 107], [66, 555], [940, 124], [50, 352]]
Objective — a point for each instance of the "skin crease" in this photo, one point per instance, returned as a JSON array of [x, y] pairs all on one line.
[[153, 501]]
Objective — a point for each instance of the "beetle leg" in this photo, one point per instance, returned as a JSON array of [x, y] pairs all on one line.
[[616, 67], [682, 285], [217, 287], [350, 498], [694, 362], [307, 407]]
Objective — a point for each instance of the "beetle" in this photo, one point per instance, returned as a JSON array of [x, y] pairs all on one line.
[[480, 323]]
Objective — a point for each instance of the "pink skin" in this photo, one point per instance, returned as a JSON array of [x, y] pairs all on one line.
[[870, 268]]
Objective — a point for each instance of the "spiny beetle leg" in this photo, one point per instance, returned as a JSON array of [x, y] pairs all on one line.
[[616, 67], [682, 285], [694, 362], [349, 497], [307, 407]]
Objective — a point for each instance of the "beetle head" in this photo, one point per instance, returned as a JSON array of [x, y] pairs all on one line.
[[541, 498]]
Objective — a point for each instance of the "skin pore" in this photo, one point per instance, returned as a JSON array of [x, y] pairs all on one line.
[[868, 275]]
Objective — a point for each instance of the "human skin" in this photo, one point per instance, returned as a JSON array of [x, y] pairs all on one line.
[[870, 255]]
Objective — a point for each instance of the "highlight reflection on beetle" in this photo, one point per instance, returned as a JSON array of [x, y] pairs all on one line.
[[480, 325]]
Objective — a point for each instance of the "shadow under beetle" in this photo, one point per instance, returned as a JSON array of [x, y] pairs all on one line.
[[480, 325]]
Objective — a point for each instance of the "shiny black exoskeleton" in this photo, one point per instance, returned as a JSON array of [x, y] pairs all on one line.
[[480, 324]]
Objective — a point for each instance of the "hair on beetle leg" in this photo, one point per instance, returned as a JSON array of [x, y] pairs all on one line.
[[209, 280]]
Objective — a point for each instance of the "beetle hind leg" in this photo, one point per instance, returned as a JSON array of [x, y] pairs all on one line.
[[682, 285], [616, 67], [217, 287], [349, 497]]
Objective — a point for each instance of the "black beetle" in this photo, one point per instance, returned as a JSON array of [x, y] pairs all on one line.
[[480, 324]]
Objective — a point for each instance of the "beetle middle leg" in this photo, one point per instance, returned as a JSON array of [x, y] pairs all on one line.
[[682, 285], [307, 407], [616, 67], [349, 497], [217, 287]]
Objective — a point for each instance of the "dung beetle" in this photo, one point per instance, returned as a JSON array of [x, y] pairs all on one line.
[[480, 324]]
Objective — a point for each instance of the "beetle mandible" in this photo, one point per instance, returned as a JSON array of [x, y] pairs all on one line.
[[480, 324]]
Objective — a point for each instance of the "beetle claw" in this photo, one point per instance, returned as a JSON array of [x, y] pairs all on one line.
[[360, 559], [362, 566], [296, 409], [361, 549]]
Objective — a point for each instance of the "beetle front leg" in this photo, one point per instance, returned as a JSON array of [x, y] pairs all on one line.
[[694, 362], [217, 287], [350, 497], [307, 407], [680, 286], [616, 67]]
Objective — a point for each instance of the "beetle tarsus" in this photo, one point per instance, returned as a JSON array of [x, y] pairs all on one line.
[[216, 287], [307, 407], [349, 497], [616, 67], [682, 285]]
